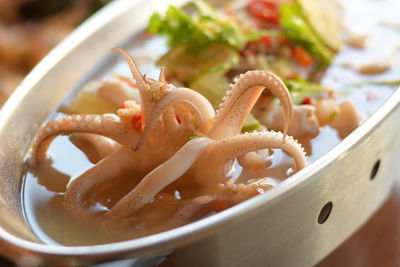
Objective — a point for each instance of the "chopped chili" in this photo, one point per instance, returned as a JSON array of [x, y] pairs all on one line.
[[128, 82], [282, 40], [137, 122], [301, 56], [307, 101], [266, 10], [177, 118], [260, 191], [265, 40]]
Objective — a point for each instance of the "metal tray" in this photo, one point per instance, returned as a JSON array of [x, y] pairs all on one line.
[[295, 224]]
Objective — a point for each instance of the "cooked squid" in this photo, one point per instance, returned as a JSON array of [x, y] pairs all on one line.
[[172, 133]]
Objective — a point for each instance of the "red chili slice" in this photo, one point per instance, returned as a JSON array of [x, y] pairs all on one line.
[[265, 40], [307, 101], [137, 122], [128, 82], [177, 118], [260, 191], [264, 9], [301, 56]]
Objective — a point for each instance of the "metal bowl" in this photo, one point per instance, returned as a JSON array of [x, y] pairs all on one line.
[[295, 224]]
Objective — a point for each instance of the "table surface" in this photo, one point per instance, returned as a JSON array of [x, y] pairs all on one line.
[[377, 243]]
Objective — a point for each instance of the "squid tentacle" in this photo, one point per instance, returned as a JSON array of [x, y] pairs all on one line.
[[94, 146], [104, 170], [108, 125], [219, 153], [140, 80], [159, 178], [163, 80], [199, 106], [238, 192], [255, 159], [143, 84], [184, 114], [186, 211], [241, 98]]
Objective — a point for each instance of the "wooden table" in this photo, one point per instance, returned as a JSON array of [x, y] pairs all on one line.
[[377, 243]]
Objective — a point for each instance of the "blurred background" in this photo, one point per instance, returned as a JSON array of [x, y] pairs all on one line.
[[30, 28]]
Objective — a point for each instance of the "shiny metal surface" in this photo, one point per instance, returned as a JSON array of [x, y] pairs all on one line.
[[279, 227]]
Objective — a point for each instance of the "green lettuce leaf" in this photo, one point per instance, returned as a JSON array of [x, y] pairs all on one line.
[[198, 30], [297, 29], [299, 89]]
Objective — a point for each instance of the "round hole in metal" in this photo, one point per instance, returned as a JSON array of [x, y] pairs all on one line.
[[325, 212], [375, 169]]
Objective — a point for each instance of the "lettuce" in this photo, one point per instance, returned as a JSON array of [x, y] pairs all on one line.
[[297, 29], [299, 89], [197, 30]]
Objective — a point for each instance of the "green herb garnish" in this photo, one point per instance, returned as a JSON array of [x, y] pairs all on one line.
[[297, 29], [194, 136], [299, 89]]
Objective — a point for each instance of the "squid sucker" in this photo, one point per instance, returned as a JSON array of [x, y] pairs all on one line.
[[170, 134]]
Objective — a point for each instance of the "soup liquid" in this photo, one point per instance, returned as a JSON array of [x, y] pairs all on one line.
[[53, 223]]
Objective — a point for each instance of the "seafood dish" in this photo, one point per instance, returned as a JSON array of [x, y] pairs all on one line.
[[240, 104]]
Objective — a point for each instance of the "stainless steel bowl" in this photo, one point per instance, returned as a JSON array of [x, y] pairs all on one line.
[[295, 224]]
